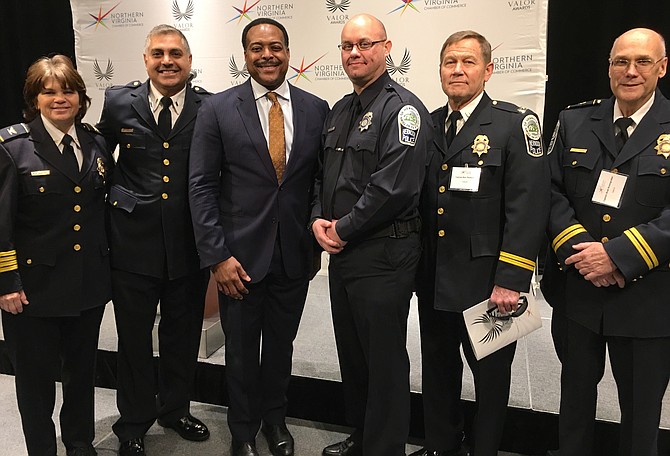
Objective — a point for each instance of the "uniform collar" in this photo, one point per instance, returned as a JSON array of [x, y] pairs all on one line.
[[58, 135], [260, 91], [155, 99]]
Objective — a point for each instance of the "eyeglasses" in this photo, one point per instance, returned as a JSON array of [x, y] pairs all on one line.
[[641, 65], [362, 45]]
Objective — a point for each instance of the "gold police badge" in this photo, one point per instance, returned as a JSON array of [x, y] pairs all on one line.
[[480, 145], [366, 121], [101, 168], [663, 145]]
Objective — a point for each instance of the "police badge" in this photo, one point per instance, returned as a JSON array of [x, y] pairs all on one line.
[[365, 122], [480, 145], [101, 169], [663, 145]]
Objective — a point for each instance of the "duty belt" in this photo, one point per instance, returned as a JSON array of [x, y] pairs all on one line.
[[398, 229]]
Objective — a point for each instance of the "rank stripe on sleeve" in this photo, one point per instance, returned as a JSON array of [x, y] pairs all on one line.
[[517, 261], [8, 261], [642, 247], [566, 234]]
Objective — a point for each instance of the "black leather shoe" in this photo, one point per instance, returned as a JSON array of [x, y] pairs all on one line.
[[345, 448], [132, 447], [243, 449], [82, 451], [427, 452], [189, 428], [280, 440]]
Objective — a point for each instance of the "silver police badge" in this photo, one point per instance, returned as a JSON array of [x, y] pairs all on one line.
[[663, 145], [480, 145], [365, 122], [531, 131], [409, 123]]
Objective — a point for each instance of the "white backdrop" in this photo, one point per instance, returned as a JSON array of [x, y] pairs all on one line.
[[110, 36]]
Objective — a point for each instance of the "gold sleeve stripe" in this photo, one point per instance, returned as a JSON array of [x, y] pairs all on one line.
[[519, 264], [511, 256], [566, 234], [8, 253], [642, 247], [10, 265]]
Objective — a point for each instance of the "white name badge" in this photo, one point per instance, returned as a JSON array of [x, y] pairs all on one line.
[[609, 189], [465, 179]]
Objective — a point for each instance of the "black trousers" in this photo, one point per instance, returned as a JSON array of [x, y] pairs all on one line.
[[260, 330], [370, 288], [41, 348], [136, 299], [641, 369], [442, 336]]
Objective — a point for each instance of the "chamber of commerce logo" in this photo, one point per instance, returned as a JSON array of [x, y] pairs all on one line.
[[300, 72], [402, 68], [100, 74], [243, 11], [100, 18], [180, 15], [237, 72], [404, 5], [334, 5]]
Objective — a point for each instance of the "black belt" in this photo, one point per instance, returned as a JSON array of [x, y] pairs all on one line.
[[398, 229]]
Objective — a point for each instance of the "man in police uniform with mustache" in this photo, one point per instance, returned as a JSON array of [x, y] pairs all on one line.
[[610, 233]]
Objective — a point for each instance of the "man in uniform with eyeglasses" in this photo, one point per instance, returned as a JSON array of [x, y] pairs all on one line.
[[365, 215], [610, 232]]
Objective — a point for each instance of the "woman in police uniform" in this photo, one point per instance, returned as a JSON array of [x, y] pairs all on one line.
[[54, 266]]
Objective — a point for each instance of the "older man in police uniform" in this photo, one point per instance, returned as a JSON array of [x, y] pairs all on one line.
[[484, 207], [152, 245], [610, 231]]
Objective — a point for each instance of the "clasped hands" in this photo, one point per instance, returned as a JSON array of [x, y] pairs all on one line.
[[593, 262], [327, 237]]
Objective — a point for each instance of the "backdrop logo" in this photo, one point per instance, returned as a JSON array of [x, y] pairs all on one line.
[[444, 4], [519, 5], [243, 11], [399, 72], [185, 15], [334, 5], [518, 63], [101, 74], [100, 19], [300, 72], [236, 72], [404, 5], [278, 11]]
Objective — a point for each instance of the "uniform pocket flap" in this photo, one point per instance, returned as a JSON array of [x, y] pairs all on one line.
[[121, 198]]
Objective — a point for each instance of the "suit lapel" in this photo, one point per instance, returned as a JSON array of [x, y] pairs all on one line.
[[299, 120], [603, 127], [87, 148], [252, 124], [188, 113], [141, 106], [47, 149], [439, 138], [480, 116]]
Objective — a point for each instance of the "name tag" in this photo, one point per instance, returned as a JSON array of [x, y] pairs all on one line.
[[609, 189], [41, 172], [465, 179]]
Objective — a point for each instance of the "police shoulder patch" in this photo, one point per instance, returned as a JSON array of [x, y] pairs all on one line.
[[15, 131], [409, 124], [533, 135]]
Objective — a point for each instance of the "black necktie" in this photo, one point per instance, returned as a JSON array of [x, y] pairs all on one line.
[[451, 131], [165, 117], [622, 123], [69, 156]]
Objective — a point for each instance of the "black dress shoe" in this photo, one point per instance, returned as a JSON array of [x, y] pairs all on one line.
[[280, 440], [243, 449], [345, 448], [132, 447], [427, 452], [189, 428], [82, 451]]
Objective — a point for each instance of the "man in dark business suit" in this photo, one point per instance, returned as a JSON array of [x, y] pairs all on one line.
[[610, 232], [251, 172], [484, 206], [153, 250]]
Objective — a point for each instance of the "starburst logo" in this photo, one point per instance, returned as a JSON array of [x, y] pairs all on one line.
[[180, 15], [100, 18], [335, 5], [404, 6], [107, 74], [237, 72], [243, 11], [402, 68], [300, 72]]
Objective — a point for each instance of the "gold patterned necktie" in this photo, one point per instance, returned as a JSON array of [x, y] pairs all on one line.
[[277, 143]]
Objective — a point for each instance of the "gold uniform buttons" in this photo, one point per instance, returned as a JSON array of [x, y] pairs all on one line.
[[480, 162], [663, 171], [166, 162], [128, 146], [41, 189], [76, 227], [440, 233], [604, 239], [166, 145], [29, 261], [442, 189], [77, 208], [77, 189], [164, 196], [116, 203], [166, 179], [440, 210], [607, 218], [445, 167], [76, 247], [574, 162], [615, 170]]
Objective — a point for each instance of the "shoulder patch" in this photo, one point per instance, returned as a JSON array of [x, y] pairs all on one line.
[[506, 106], [585, 104], [14, 131], [533, 134], [409, 124]]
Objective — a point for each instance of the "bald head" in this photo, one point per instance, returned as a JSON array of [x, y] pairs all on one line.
[[364, 66], [367, 21], [651, 39]]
